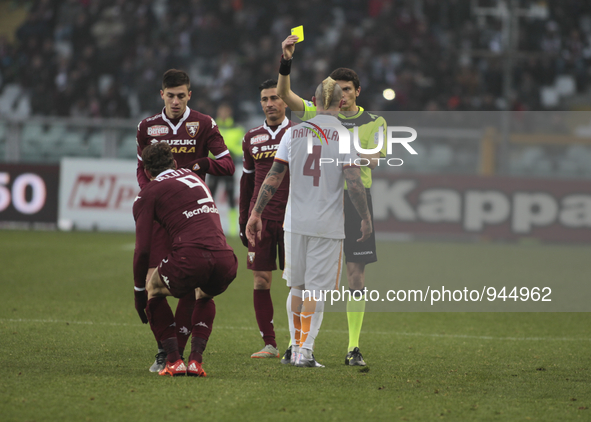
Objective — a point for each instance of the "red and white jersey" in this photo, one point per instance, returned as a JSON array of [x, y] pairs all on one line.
[[315, 205], [182, 203], [259, 147], [191, 137]]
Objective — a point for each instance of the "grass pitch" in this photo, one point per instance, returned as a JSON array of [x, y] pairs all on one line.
[[73, 349]]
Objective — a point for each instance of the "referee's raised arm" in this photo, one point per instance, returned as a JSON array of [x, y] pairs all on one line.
[[293, 100]]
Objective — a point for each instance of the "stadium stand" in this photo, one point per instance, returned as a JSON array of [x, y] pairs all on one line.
[[103, 58]]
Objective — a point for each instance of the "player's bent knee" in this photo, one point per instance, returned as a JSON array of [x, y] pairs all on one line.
[[200, 294], [155, 286], [262, 280]]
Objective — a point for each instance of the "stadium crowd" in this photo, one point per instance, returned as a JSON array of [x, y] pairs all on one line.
[[104, 57]]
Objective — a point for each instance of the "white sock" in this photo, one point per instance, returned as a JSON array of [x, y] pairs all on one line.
[[315, 323]]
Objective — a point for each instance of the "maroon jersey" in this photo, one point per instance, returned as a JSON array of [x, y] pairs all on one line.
[[191, 137], [259, 147], [182, 203]]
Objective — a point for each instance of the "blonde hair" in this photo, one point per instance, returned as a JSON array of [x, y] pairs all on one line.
[[325, 93]]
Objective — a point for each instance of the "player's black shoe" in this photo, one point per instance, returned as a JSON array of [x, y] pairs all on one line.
[[305, 358], [354, 358], [159, 363], [286, 359]]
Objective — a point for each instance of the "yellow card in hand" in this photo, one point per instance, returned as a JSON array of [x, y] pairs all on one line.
[[299, 31]]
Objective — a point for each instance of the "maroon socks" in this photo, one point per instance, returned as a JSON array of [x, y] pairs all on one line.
[[202, 320], [182, 317], [162, 325], [263, 309]]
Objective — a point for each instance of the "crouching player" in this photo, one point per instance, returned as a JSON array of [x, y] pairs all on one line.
[[201, 260]]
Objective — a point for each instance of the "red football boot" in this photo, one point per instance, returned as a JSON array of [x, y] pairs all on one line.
[[177, 369], [195, 369]]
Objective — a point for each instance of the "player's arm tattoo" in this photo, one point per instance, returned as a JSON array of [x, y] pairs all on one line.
[[356, 191], [270, 185]]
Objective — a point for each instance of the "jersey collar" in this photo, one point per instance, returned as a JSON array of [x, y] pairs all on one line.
[[356, 115], [173, 127], [164, 173], [283, 124]]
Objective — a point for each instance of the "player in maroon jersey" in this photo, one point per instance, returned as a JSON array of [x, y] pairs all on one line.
[[192, 136], [201, 263], [259, 147]]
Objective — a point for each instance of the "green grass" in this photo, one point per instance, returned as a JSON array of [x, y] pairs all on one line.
[[73, 349]]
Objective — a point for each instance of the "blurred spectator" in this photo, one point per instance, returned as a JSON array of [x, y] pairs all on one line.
[[435, 54]]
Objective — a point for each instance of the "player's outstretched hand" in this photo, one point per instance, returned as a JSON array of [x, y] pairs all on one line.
[[141, 301], [288, 46], [366, 229], [242, 235], [254, 229]]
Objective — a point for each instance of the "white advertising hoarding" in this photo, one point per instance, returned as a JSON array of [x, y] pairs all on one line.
[[97, 194]]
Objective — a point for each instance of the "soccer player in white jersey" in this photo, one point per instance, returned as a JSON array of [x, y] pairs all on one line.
[[314, 222]]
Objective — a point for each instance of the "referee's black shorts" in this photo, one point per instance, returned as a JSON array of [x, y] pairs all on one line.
[[364, 252]]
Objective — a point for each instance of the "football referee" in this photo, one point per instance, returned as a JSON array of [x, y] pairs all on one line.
[[357, 254]]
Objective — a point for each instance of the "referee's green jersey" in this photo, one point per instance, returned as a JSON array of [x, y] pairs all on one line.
[[369, 126]]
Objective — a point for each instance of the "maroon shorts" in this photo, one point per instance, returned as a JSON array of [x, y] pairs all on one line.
[[263, 256], [161, 245], [186, 269]]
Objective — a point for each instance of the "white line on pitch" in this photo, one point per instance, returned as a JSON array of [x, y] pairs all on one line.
[[388, 333]]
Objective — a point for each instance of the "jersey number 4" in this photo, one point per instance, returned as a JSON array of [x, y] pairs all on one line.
[[193, 182], [312, 165]]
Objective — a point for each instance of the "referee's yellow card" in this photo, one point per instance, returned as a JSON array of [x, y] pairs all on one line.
[[299, 31]]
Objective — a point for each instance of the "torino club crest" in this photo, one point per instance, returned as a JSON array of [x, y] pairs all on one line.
[[192, 128]]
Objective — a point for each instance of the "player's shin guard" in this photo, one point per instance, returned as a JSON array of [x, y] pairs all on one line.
[[263, 309], [203, 316], [182, 317], [355, 313], [311, 317], [294, 315], [162, 325]]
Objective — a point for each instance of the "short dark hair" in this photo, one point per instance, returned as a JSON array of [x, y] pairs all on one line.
[[157, 158], [174, 77], [269, 83], [344, 74]]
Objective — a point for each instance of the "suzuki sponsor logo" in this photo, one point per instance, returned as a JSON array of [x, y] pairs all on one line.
[[259, 139], [158, 130], [205, 209], [112, 192], [175, 142]]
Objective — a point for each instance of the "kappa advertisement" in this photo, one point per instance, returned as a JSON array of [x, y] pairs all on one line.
[[497, 208]]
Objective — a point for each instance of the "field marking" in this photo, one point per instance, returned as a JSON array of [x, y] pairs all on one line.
[[389, 333]]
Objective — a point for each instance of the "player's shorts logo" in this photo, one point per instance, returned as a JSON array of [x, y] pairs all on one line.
[[192, 128], [251, 257], [259, 139], [158, 130]]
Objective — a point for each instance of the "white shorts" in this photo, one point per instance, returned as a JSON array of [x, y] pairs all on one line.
[[312, 262]]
